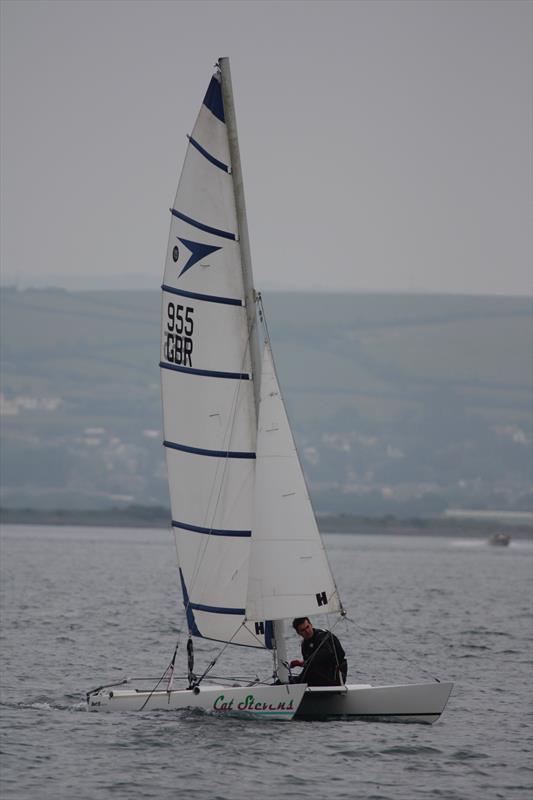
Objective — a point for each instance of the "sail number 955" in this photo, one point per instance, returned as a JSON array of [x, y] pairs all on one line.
[[178, 334]]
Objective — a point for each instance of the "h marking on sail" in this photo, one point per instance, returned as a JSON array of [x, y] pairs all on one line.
[[322, 598]]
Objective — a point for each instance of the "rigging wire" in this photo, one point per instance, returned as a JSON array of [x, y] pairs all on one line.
[[215, 659], [169, 670]]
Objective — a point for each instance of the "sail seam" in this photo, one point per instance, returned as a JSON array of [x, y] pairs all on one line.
[[208, 156], [200, 451], [209, 298], [202, 226], [209, 373], [210, 531]]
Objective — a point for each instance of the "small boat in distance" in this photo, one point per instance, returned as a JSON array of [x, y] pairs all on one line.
[[249, 550], [500, 539]]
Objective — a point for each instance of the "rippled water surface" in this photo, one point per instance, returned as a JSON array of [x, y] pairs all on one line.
[[84, 606]]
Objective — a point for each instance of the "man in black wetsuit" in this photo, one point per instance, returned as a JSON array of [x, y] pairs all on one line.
[[324, 660]]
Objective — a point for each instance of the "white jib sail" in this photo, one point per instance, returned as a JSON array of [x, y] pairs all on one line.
[[208, 406], [289, 571]]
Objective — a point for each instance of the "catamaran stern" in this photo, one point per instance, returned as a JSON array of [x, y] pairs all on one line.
[[419, 702]]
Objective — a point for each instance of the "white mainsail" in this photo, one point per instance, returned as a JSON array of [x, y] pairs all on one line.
[[209, 416], [289, 573], [229, 511]]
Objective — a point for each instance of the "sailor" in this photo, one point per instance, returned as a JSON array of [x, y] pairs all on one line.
[[324, 660]]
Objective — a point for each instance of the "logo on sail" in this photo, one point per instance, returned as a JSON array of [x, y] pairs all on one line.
[[198, 251]]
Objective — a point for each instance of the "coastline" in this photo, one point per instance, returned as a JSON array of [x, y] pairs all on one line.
[[159, 517]]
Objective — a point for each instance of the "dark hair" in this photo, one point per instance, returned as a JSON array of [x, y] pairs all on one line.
[[299, 621]]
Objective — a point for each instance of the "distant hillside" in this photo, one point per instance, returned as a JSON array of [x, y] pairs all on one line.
[[400, 403]]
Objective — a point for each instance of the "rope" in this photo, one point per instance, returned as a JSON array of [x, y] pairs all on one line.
[[214, 661], [106, 686], [170, 669]]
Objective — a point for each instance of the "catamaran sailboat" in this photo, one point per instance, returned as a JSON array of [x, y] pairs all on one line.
[[249, 550]]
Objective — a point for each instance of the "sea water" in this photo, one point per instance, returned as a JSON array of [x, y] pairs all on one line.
[[86, 606]]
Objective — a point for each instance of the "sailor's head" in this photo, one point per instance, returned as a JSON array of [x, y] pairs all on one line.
[[303, 627]]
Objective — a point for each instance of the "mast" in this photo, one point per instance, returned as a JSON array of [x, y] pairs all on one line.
[[246, 258], [280, 654]]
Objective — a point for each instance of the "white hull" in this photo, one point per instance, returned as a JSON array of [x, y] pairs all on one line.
[[271, 702], [417, 702], [422, 702]]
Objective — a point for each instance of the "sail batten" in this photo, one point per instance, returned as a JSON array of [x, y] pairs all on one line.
[[200, 451], [203, 226], [208, 298], [208, 373], [209, 531], [209, 156], [217, 609]]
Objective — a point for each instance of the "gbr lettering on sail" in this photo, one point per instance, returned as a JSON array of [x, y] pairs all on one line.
[[178, 334]]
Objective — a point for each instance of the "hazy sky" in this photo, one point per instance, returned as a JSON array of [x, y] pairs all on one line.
[[385, 145]]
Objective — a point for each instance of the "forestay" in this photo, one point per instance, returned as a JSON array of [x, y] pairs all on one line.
[[208, 406]]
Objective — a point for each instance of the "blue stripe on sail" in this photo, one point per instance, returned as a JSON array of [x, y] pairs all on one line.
[[269, 635], [202, 226], [191, 622], [210, 298], [218, 609], [206, 154], [239, 376], [211, 531], [213, 99], [200, 451]]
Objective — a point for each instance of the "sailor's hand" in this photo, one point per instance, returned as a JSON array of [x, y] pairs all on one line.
[[296, 662]]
